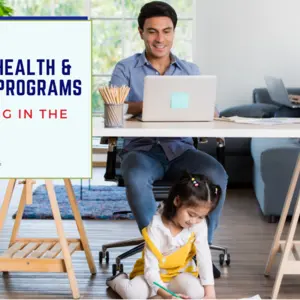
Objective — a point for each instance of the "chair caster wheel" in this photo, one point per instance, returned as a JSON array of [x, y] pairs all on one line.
[[222, 259], [101, 257], [228, 260], [114, 269], [117, 268]]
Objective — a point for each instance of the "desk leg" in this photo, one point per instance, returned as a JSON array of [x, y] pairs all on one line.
[[6, 201], [284, 213], [284, 266], [62, 239], [80, 227]]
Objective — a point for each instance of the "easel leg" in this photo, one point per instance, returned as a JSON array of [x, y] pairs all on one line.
[[80, 226], [287, 249], [6, 201], [18, 216], [62, 239], [285, 210]]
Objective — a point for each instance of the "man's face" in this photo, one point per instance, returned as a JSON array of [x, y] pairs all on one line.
[[158, 36]]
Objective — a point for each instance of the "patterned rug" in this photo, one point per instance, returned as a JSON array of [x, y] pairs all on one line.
[[98, 202]]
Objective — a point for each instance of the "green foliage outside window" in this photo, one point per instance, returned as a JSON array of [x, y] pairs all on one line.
[[4, 9]]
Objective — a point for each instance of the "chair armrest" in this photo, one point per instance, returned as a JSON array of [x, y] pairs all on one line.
[[110, 172], [220, 148], [104, 140]]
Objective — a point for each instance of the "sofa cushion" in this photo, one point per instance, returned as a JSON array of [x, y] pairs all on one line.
[[274, 162], [286, 112], [258, 110]]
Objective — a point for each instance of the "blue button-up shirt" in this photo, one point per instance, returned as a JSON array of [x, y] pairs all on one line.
[[131, 72]]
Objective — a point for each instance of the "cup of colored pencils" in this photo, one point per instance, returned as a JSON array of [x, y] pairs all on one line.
[[114, 98]]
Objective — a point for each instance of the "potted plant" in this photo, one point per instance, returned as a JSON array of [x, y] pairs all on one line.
[[4, 9]]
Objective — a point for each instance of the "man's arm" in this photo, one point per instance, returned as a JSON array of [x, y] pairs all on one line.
[[204, 261], [217, 114], [295, 98], [120, 78]]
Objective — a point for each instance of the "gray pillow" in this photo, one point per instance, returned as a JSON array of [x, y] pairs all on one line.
[[287, 112], [257, 110]]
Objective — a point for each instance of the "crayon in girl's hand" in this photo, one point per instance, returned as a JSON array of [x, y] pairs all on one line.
[[165, 289]]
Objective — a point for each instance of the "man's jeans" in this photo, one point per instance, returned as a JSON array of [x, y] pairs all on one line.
[[141, 168]]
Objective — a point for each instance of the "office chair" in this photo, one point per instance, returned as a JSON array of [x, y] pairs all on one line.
[[160, 190]]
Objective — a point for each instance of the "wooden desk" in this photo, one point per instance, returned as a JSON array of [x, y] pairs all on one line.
[[191, 129], [290, 259]]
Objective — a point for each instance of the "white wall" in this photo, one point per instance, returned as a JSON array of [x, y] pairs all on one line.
[[240, 41]]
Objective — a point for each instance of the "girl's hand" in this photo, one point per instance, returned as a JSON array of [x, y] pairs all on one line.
[[181, 296], [209, 297], [209, 292], [163, 294]]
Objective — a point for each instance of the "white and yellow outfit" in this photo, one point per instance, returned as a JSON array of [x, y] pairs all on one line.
[[168, 260]]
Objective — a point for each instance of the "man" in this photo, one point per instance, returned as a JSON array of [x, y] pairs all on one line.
[[288, 112], [145, 160], [295, 98]]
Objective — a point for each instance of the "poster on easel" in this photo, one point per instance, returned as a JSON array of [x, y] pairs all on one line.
[[45, 97]]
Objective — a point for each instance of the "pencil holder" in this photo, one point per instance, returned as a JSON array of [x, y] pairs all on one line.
[[113, 115]]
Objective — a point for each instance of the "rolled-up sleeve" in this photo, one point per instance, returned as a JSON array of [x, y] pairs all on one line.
[[151, 268], [195, 70], [119, 76], [203, 255]]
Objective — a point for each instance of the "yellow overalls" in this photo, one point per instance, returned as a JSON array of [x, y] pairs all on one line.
[[171, 265]]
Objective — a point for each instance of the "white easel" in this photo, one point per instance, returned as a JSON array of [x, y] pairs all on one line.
[[290, 249], [44, 254]]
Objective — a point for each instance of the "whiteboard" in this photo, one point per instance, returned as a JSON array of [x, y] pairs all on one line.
[[45, 98]]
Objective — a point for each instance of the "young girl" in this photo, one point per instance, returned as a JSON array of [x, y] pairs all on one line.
[[177, 233]]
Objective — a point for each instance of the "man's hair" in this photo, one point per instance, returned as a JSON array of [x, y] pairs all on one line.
[[156, 9]]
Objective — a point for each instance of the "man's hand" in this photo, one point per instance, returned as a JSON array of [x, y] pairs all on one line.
[[295, 98], [216, 114], [135, 108]]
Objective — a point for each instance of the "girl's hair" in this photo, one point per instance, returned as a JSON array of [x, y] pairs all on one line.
[[192, 190]]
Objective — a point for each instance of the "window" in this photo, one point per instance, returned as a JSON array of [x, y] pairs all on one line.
[[115, 30]]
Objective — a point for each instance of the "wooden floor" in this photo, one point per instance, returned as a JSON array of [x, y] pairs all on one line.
[[242, 229]]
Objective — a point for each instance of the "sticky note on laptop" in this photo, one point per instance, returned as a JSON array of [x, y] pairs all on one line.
[[179, 100]]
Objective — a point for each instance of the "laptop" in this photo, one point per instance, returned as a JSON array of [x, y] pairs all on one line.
[[185, 98], [278, 92]]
